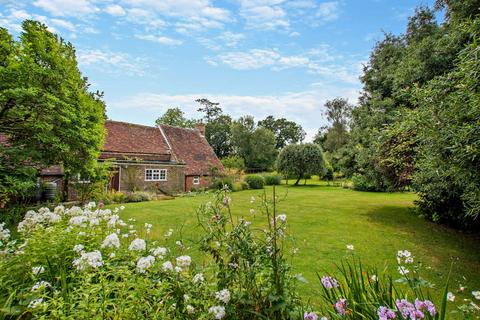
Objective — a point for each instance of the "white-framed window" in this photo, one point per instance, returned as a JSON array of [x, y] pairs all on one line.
[[155, 174], [196, 180]]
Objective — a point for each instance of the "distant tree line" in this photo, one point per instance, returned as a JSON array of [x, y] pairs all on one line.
[[417, 123], [257, 144]]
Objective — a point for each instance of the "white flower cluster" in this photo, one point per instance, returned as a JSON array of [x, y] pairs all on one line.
[[184, 261], [111, 241], [4, 233], [223, 295], [404, 256], [35, 303], [145, 263], [40, 285], [167, 266], [43, 217], [218, 312], [282, 218], [198, 278], [159, 252], [38, 270], [137, 245], [88, 259]]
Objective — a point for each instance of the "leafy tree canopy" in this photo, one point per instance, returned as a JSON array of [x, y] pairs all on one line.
[[300, 160], [176, 117], [46, 108], [285, 131]]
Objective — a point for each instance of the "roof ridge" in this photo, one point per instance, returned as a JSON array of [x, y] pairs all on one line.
[[132, 124]]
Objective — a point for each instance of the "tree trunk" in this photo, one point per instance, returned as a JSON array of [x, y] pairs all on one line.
[[298, 180]]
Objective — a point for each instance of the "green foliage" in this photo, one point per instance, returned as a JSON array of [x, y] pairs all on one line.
[[176, 117], [233, 162], [218, 135], [253, 263], [272, 179], [221, 182], [286, 132], [255, 181], [447, 173], [300, 160], [84, 262], [88, 186], [139, 196], [46, 108], [361, 183], [367, 289], [256, 145], [327, 174]]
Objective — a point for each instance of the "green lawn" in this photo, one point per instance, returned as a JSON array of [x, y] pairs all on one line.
[[323, 220]]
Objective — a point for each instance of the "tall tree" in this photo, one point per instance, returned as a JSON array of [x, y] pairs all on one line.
[[176, 117], [46, 108], [211, 110], [217, 127], [285, 131], [300, 160], [338, 112], [256, 145]]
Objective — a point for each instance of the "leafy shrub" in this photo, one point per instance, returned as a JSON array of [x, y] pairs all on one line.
[[80, 262], [300, 160], [234, 162], [220, 183], [361, 183], [328, 172], [240, 185], [255, 181], [272, 179], [139, 196]]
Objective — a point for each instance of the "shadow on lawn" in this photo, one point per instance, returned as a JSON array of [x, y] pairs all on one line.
[[405, 220]]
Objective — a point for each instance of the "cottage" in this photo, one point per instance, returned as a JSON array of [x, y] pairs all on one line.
[[162, 159]]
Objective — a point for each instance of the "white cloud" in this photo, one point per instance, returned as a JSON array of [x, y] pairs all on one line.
[[225, 39], [62, 24], [319, 61], [265, 15], [76, 8], [191, 15], [145, 17], [115, 10], [112, 62], [328, 11], [160, 39], [304, 107]]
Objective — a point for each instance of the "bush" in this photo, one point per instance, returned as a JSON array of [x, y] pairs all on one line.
[[361, 183], [255, 181], [240, 185], [328, 172], [139, 196], [272, 179], [69, 269], [220, 183], [234, 162]]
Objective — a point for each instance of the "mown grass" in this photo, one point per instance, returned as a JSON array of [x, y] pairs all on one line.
[[324, 219]]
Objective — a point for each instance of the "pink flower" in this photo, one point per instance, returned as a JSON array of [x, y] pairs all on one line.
[[310, 316], [341, 306], [385, 314], [329, 282]]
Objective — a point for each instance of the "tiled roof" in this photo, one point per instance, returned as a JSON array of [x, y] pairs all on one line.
[[136, 141], [191, 148]]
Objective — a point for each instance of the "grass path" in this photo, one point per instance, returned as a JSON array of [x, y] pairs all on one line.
[[323, 220]]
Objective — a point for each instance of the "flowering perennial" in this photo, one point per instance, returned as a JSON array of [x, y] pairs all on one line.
[[329, 282]]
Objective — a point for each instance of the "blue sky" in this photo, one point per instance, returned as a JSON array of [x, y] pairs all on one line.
[[257, 57]]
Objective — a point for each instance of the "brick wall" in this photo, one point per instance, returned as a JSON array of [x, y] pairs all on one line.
[[132, 177], [205, 182]]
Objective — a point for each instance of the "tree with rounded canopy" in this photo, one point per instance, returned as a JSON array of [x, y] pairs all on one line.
[[300, 160], [48, 115], [176, 117]]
